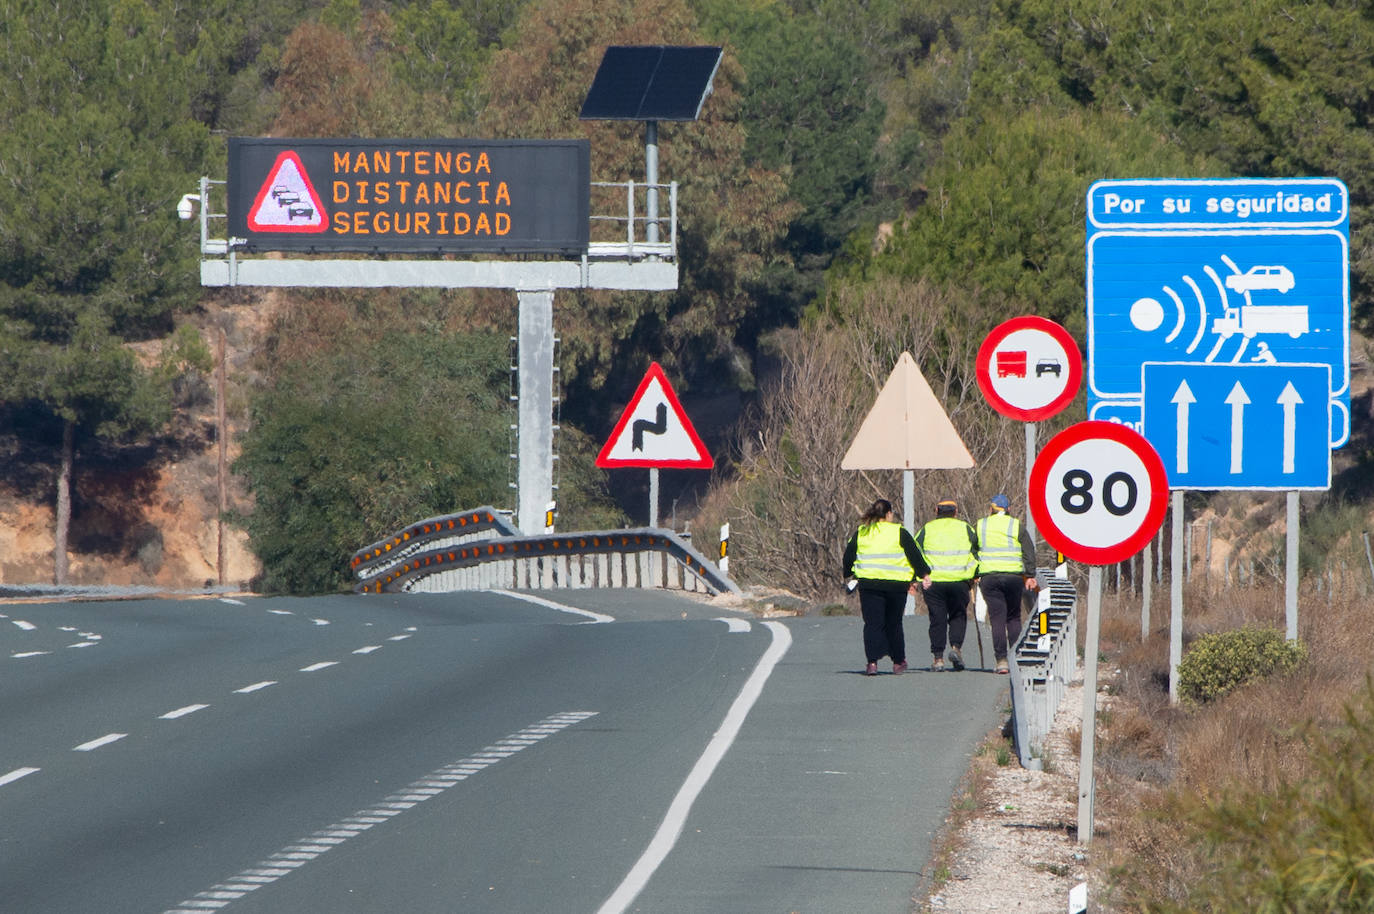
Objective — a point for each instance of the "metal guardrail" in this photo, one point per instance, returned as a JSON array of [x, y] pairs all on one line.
[[1045, 659], [479, 550], [431, 533]]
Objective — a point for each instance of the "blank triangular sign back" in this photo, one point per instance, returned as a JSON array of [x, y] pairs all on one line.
[[907, 428]]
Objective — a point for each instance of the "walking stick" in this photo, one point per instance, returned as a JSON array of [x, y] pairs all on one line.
[[977, 630]]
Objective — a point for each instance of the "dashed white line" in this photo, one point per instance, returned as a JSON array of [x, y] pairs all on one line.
[[22, 654], [182, 712], [255, 686], [298, 853], [398, 637], [281, 612], [314, 667], [16, 774], [26, 626], [369, 649], [97, 743], [320, 621], [231, 601]]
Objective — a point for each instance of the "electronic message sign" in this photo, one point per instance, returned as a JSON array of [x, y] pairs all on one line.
[[408, 195]]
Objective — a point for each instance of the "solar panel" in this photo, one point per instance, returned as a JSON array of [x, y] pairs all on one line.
[[651, 83]]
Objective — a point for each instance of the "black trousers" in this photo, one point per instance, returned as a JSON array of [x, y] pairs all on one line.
[[883, 633], [947, 604], [1003, 592]]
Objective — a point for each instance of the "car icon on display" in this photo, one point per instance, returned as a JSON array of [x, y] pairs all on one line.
[[284, 195], [1279, 279], [304, 212], [1047, 366]]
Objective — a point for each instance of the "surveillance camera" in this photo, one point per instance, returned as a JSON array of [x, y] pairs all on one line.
[[187, 208]]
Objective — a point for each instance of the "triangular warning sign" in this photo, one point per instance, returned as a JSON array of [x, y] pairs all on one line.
[[907, 428], [287, 201], [654, 431]]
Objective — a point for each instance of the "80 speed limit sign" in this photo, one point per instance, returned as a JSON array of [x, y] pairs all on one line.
[[1098, 492]]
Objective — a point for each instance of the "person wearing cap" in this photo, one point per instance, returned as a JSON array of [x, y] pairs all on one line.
[[1006, 570], [950, 547], [883, 560]]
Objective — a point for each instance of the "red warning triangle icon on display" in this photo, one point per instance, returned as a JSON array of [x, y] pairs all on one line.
[[654, 431], [287, 201]]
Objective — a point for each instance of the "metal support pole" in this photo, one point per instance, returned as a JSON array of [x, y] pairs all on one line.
[[651, 178], [1176, 596], [1030, 462], [1089, 728], [535, 412], [653, 496], [1146, 580], [1290, 590], [909, 521]]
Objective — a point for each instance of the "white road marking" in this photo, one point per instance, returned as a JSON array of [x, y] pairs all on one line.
[[320, 621], [281, 612], [735, 625], [26, 626], [97, 743], [298, 853], [561, 607], [369, 649], [23, 654], [83, 644], [182, 712], [398, 637], [314, 667], [16, 774], [231, 601], [673, 822], [255, 686]]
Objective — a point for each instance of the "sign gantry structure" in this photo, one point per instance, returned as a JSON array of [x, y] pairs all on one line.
[[451, 214]]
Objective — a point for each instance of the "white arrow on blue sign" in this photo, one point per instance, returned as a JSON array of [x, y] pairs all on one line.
[[1226, 272], [1239, 426]]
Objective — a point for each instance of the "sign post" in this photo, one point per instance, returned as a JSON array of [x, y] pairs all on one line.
[[1029, 368], [1098, 490]]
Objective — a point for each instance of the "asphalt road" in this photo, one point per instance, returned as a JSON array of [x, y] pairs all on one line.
[[472, 752]]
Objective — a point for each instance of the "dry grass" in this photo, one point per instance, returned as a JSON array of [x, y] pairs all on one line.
[[1159, 765]]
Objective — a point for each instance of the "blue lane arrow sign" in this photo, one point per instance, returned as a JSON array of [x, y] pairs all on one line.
[[1239, 426]]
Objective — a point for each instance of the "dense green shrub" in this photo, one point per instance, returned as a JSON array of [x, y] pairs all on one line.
[[1218, 663]]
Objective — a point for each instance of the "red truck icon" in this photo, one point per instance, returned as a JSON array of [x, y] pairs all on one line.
[[1011, 364]]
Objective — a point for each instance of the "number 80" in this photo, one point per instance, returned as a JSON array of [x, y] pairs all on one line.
[[1078, 496]]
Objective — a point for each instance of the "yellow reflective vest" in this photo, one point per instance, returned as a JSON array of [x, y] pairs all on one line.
[[999, 544], [946, 544], [879, 555]]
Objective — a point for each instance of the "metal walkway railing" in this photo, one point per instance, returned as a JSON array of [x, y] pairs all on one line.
[[1045, 659], [480, 550]]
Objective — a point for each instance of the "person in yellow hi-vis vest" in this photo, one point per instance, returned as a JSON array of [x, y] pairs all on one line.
[[882, 560], [1006, 570], [950, 548]]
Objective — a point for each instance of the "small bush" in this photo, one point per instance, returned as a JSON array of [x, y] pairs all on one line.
[[1219, 663]]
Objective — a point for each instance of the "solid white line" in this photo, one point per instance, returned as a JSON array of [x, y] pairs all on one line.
[[735, 625], [673, 822], [182, 712], [255, 686], [319, 666], [16, 774], [97, 743], [540, 601]]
